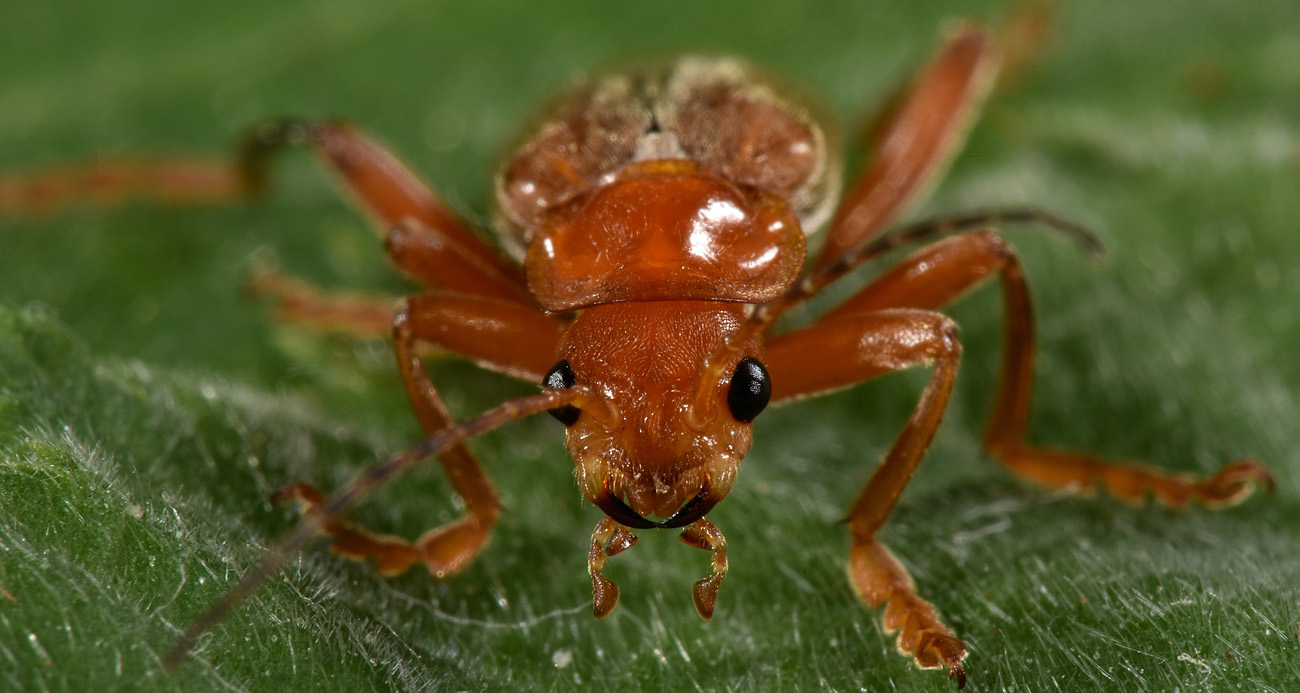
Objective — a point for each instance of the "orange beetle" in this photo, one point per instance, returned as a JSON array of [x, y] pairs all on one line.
[[661, 217]]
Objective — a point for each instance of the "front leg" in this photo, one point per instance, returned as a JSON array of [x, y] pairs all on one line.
[[499, 335], [850, 351]]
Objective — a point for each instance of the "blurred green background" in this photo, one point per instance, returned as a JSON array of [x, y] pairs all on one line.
[[147, 411]]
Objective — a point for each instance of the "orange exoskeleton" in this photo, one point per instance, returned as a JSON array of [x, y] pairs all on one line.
[[660, 221]]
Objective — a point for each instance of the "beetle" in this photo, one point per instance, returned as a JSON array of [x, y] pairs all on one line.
[[662, 220]]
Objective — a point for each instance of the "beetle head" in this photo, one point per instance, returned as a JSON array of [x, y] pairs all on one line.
[[659, 454]]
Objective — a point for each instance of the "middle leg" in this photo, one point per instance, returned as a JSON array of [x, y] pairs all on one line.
[[941, 273]]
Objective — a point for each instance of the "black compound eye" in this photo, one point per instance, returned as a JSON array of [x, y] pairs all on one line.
[[750, 390], [561, 377]]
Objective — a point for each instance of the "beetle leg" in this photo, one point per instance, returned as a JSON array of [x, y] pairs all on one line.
[[1024, 37], [609, 539], [879, 578], [196, 180], [703, 534], [329, 509], [425, 239], [296, 301], [1127, 480], [499, 335], [393, 555], [410, 246], [433, 244], [862, 347], [107, 182], [939, 274], [913, 140], [504, 336]]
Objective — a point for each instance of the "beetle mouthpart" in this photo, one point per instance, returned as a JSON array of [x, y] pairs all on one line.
[[694, 509], [621, 512]]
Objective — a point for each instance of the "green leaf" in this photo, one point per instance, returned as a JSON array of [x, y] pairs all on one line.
[[147, 412]]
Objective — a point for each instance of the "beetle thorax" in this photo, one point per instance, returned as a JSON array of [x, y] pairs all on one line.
[[645, 358], [665, 230]]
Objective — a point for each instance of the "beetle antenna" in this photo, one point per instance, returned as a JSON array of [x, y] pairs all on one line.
[[924, 231], [929, 230], [313, 523]]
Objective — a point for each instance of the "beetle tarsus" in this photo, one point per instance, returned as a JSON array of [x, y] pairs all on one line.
[[880, 579]]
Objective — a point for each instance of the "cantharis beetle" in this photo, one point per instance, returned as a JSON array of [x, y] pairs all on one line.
[[659, 222]]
